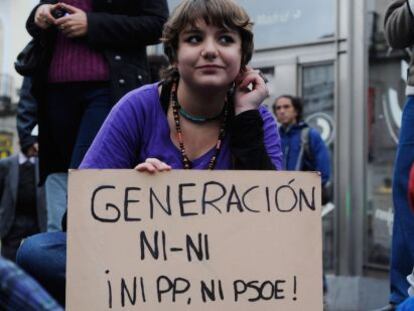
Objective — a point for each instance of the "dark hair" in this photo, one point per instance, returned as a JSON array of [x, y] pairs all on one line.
[[297, 103], [220, 13], [157, 65]]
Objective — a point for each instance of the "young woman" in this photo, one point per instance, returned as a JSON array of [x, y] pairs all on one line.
[[205, 114]]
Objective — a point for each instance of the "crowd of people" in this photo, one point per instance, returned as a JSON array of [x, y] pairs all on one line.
[[99, 104]]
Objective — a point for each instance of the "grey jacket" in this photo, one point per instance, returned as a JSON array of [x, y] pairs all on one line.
[[9, 180], [399, 30]]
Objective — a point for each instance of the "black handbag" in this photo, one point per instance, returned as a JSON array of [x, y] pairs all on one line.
[[30, 58]]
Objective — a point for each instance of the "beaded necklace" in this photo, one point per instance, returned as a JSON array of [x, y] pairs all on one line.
[[175, 109]]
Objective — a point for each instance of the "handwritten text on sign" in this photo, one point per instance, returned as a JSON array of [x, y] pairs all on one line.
[[226, 240]]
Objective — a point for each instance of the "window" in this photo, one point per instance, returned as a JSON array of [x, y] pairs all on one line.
[[386, 97], [278, 23], [318, 96]]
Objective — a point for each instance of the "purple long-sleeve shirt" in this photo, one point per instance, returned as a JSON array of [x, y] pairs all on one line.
[[137, 128]]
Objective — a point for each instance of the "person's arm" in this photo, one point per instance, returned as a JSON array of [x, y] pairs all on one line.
[[320, 154], [255, 141], [40, 20], [26, 118], [105, 29], [399, 24], [19, 291]]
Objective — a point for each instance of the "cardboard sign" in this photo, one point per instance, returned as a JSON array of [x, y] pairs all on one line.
[[194, 240]]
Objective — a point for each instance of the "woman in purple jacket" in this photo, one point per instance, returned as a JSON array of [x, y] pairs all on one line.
[[205, 114]]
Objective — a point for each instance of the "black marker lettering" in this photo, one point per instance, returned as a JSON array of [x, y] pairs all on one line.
[[205, 202], [244, 200], [182, 201], [302, 197], [293, 195], [127, 201], [166, 207], [124, 289], [234, 199], [107, 206]]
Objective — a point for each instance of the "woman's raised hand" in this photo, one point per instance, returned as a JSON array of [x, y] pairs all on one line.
[[43, 16], [250, 91], [152, 165]]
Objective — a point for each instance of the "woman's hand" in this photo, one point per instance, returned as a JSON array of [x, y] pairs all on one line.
[[43, 16], [74, 24], [246, 98], [152, 165]]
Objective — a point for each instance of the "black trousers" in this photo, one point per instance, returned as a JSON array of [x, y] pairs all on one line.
[[23, 226], [75, 112]]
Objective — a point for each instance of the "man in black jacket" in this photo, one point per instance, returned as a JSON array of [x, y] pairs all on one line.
[[22, 203]]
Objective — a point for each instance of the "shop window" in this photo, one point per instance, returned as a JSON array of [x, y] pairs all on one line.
[[278, 23], [385, 101], [318, 96]]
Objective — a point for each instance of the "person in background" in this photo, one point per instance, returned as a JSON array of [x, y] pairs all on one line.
[[22, 202], [303, 147], [95, 52], [54, 187], [399, 33], [202, 115]]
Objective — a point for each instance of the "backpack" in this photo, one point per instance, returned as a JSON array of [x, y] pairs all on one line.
[[304, 143], [306, 153]]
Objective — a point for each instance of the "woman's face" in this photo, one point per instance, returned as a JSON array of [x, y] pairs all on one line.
[[208, 56]]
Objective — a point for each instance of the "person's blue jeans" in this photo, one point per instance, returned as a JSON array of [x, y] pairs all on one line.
[[402, 253], [18, 291], [407, 305], [56, 200], [43, 256]]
